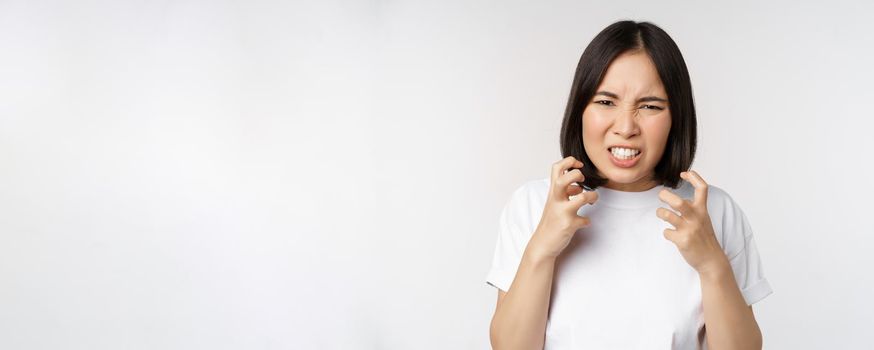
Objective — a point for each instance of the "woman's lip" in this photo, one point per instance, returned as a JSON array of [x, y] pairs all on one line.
[[624, 163]]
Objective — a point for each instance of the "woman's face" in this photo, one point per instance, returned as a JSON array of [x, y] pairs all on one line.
[[626, 124]]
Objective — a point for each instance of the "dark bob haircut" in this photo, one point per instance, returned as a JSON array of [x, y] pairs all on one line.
[[616, 39]]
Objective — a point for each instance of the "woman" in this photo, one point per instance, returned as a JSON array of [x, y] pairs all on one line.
[[623, 247]]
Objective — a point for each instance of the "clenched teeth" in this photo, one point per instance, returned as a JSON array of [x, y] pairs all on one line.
[[624, 153]]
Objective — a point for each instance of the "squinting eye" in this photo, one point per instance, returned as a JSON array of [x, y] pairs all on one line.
[[606, 104], [652, 107]]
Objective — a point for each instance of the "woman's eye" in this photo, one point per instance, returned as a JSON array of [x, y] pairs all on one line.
[[652, 107], [605, 102]]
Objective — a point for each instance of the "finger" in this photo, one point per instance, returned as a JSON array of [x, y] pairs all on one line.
[[573, 176], [574, 190], [566, 163], [679, 204], [699, 184], [558, 169], [671, 235], [669, 216], [583, 221], [564, 181], [584, 198]]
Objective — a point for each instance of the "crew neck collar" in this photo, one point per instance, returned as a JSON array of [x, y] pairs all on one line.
[[625, 199]]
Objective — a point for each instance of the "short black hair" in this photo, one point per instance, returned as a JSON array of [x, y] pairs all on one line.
[[616, 39]]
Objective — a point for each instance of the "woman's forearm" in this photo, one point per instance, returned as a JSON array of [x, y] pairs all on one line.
[[728, 320], [520, 319]]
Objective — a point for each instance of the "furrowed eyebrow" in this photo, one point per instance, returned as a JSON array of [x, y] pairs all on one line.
[[652, 98], [642, 99]]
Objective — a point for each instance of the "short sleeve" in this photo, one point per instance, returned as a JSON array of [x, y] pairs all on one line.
[[745, 260], [514, 232]]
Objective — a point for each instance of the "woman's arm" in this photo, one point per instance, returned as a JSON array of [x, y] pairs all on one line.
[[729, 322], [520, 319]]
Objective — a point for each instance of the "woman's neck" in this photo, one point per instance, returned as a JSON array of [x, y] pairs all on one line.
[[637, 186]]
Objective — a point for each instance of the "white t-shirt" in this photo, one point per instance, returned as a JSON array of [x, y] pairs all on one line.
[[620, 284]]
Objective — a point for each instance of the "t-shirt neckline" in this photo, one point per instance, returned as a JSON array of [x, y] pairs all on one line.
[[625, 199]]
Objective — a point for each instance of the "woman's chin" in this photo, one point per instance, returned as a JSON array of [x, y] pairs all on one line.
[[624, 178]]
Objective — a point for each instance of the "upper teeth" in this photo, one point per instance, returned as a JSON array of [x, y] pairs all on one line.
[[624, 153]]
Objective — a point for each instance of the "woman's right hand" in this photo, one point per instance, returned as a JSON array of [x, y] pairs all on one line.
[[560, 221]]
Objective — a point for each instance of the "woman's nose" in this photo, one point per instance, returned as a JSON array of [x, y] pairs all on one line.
[[626, 123]]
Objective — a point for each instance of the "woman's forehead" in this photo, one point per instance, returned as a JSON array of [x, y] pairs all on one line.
[[632, 74]]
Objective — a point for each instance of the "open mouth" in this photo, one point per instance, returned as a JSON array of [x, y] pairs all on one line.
[[622, 153], [624, 157]]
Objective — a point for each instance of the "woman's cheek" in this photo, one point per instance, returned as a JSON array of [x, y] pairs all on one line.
[[660, 128], [593, 136]]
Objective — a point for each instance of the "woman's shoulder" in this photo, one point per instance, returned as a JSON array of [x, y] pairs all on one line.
[[729, 221], [717, 197], [532, 188], [540, 185], [525, 205], [530, 193]]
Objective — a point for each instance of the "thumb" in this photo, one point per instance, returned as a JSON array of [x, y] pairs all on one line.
[[671, 235]]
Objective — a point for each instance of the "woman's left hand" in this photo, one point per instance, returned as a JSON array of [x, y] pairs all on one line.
[[693, 231]]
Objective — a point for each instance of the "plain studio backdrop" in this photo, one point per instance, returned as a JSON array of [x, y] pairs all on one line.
[[329, 175]]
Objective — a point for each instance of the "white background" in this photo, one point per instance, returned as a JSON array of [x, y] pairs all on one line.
[[328, 175]]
